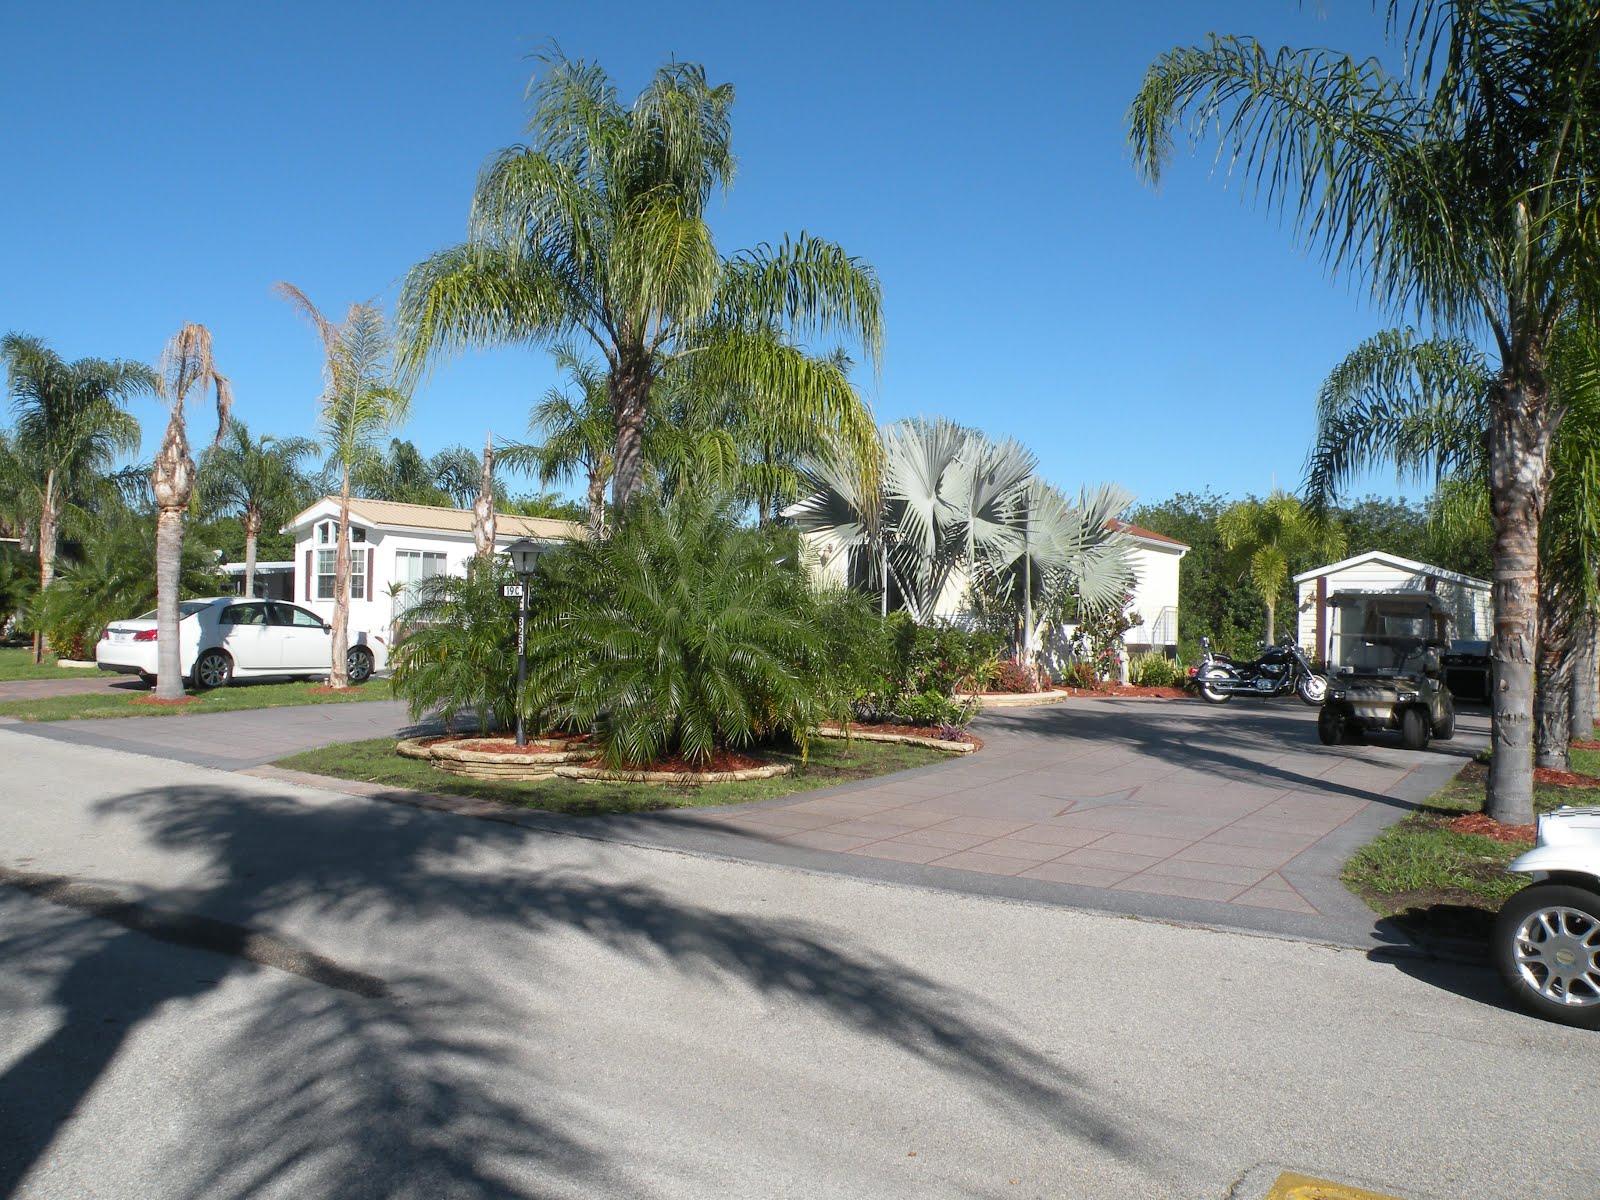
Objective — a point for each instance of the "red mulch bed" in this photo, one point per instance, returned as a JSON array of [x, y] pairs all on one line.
[[1490, 828], [1128, 691], [156, 702], [721, 760], [1585, 744], [1564, 778]]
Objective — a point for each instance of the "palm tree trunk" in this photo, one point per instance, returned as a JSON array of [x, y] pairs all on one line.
[[1270, 615], [1552, 716], [1585, 664], [49, 532], [1519, 455], [252, 531], [597, 505], [338, 669], [169, 557], [630, 394]]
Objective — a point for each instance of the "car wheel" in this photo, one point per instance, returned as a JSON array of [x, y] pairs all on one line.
[[1313, 689], [213, 669], [1547, 948], [1414, 729], [358, 664], [1446, 728], [1330, 727]]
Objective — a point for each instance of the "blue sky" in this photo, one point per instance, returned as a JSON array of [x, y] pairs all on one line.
[[169, 162]]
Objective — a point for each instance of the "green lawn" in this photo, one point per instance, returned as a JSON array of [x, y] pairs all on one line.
[[831, 762], [16, 664], [229, 699], [1439, 882]]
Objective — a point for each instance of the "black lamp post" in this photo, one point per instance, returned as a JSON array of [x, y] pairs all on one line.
[[524, 553]]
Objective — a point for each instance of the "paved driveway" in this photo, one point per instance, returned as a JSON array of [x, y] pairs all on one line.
[[1230, 815]]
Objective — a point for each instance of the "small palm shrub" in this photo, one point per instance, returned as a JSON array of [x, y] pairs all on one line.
[[1014, 677], [684, 633], [460, 654]]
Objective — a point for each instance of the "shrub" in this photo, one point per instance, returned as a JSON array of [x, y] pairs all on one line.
[[1154, 670], [1079, 675], [460, 654], [684, 633], [934, 708]]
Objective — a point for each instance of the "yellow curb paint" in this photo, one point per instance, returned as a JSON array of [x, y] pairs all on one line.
[[1290, 1186]]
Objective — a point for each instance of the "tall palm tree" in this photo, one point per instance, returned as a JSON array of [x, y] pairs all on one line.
[[258, 479], [1422, 405], [1264, 537], [576, 434], [597, 230], [360, 403], [71, 427], [186, 366], [1464, 190]]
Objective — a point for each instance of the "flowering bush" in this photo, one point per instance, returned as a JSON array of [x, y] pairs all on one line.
[[1012, 676]]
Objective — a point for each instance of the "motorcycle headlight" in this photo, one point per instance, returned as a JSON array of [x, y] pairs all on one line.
[[1407, 697]]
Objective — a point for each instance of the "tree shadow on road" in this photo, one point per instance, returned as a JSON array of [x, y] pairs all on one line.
[[432, 1088]]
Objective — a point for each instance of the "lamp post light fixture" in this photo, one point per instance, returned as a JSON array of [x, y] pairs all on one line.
[[524, 554]]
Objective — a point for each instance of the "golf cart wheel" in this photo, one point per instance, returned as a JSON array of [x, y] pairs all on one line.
[[1330, 727], [1446, 729], [1210, 694], [1414, 729], [1547, 949], [213, 669], [1312, 689], [358, 664]]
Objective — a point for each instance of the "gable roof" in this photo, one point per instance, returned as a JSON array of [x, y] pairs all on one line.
[[1394, 560], [1139, 533], [391, 514]]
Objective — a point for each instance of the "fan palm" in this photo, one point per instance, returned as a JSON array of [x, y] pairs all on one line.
[[597, 230], [257, 479], [360, 403], [1264, 537], [186, 366], [71, 427], [1465, 190]]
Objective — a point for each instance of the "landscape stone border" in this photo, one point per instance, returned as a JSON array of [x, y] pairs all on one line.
[[607, 775], [904, 739], [452, 758]]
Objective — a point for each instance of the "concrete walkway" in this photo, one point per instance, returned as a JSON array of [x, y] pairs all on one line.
[[1231, 816]]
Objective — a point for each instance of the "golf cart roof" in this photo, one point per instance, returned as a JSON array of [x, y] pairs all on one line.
[[1393, 599]]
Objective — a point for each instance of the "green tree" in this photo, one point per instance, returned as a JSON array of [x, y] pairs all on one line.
[[361, 402], [1266, 539], [597, 230], [1464, 190], [1214, 606], [577, 435], [186, 366], [70, 428], [255, 480]]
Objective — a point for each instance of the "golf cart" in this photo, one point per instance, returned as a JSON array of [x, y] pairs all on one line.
[[1385, 672]]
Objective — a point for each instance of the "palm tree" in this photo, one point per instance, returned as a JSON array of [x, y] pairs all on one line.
[[578, 435], [1463, 190], [186, 366], [257, 479], [1422, 405], [71, 427], [360, 403], [597, 230], [1264, 537]]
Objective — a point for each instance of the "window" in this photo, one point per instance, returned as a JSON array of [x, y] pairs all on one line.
[[411, 567], [244, 614], [299, 618], [325, 566]]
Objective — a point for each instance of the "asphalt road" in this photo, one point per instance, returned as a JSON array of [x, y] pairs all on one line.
[[219, 986]]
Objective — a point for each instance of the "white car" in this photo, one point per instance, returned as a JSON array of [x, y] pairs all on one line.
[[231, 637]]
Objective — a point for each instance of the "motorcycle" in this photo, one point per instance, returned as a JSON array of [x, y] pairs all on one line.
[[1546, 940], [1280, 670]]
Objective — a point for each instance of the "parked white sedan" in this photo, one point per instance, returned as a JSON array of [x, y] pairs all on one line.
[[229, 637]]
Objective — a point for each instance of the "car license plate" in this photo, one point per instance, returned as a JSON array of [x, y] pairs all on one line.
[[121, 635]]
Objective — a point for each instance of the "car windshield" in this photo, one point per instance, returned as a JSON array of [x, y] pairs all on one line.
[[186, 608]]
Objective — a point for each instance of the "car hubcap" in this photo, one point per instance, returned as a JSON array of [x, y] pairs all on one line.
[[353, 665], [1558, 955], [213, 671]]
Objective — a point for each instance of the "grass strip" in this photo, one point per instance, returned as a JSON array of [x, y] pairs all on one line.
[[16, 666], [830, 763], [235, 698]]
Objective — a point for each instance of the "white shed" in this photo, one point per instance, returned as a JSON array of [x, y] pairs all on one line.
[[1469, 600], [393, 547]]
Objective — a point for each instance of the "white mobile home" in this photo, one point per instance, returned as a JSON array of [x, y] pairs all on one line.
[[1468, 599], [393, 547]]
